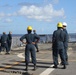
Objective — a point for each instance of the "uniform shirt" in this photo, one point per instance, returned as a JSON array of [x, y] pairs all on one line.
[[29, 38], [66, 39], [4, 38], [10, 36], [58, 39], [35, 35]]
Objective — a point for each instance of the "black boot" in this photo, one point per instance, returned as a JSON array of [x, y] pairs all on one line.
[[34, 67], [26, 67], [37, 50], [64, 67], [55, 66]]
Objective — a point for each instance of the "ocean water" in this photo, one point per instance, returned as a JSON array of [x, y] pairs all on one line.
[[43, 39]]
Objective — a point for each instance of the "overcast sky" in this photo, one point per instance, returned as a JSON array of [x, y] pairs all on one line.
[[42, 15]]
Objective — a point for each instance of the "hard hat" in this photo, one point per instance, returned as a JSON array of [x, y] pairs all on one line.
[[29, 28], [59, 24], [64, 24]]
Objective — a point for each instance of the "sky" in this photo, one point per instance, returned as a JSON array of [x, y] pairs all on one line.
[[42, 15]]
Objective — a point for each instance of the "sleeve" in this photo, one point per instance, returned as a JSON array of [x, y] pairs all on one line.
[[67, 37], [37, 37], [53, 40], [53, 37], [23, 37], [11, 37]]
